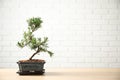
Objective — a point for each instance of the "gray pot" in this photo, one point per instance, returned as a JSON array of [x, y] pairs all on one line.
[[31, 67]]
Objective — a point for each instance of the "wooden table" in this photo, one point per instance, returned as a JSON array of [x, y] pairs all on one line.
[[65, 74]]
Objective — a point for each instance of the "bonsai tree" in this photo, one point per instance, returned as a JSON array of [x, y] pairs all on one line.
[[36, 44]]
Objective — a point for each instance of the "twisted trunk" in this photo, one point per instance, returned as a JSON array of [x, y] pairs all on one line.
[[34, 54]]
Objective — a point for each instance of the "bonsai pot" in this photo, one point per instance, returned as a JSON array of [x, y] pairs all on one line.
[[28, 67]]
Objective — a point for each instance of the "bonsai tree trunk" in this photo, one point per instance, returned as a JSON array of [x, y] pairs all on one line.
[[34, 54]]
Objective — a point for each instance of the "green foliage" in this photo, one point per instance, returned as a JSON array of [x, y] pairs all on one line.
[[50, 53], [34, 23], [37, 44]]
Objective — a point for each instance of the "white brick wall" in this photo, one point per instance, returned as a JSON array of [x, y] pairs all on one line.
[[82, 33]]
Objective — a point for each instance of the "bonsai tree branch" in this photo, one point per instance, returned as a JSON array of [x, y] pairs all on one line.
[[34, 54]]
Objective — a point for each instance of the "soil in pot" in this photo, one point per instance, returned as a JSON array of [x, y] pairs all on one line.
[[33, 60]]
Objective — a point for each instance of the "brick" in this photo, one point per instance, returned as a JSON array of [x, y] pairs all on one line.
[[118, 48], [84, 43], [109, 17], [8, 60], [100, 54], [118, 60], [1, 59], [100, 43], [92, 27], [84, 11], [114, 11], [114, 1], [60, 60], [114, 54], [4, 65], [100, 33], [52, 65], [114, 65], [100, 65], [104, 38], [92, 60], [114, 43], [103, 1], [114, 33], [114, 21], [13, 65], [108, 49], [5, 53], [109, 6], [100, 11], [1, 38], [84, 54], [83, 65], [5, 43], [93, 6], [75, 28], [7, 48], [109, 27], [108, 60], [74, 60], [92, 49], [100, 22], [68, 65]]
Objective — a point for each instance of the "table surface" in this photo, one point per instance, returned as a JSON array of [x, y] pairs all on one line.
[[65, 74]]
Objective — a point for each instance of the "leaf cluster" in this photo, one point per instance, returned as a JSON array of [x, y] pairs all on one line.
[[34, 23]]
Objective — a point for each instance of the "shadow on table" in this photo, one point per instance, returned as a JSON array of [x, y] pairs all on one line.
[[46, 74]]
